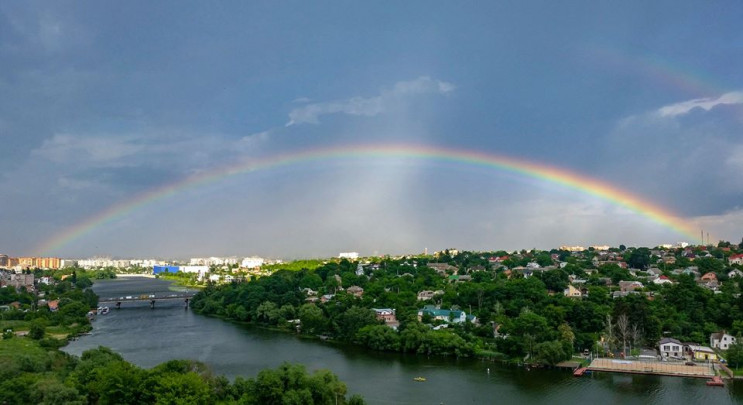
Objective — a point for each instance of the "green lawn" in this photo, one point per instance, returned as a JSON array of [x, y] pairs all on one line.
[[11, 348], [16, 325]]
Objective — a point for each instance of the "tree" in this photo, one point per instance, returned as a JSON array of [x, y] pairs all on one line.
[[37, 329], [354, 319], [639, 258], [623, 331], [608, 334], [734, 354], [311, 318], [550, 353]]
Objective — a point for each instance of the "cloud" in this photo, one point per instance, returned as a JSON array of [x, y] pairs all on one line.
[[689, 165], [368, 106], [45, 29], [65, 148], [672, 110]]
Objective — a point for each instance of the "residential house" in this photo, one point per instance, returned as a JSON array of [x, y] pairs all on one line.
[[388, 316], [709, 276], [670, 347], [355, 290], [443, 269], [628, 286], [662, 280], [456, 278], [425, 295], [721, 340], [736, 259], [53, 305], [735, 273], [572, 292], [654, 271], [446, 315], [326, 297], [493, 260], [669, 259], [700, 353]]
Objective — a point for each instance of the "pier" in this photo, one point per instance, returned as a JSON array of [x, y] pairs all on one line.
[[652, 367]]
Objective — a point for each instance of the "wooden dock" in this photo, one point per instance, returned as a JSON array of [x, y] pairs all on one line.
[[580, 371], [652, 368]]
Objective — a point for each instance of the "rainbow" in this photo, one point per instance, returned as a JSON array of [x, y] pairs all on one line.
[[657, 70], [543, 172]]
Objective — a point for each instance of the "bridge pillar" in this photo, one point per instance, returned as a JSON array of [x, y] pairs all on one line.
[[186, 306], [152, 304], [118, 305]]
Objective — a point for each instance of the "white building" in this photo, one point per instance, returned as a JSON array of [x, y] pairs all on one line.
[[201, 270], [251, 262], [212, 261], [348, 255], [670, 347], [662, 280], [721, 340]]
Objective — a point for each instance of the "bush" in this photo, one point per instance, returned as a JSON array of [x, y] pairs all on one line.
[[37, 329]]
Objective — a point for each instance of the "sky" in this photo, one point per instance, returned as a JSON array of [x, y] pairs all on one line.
[[105, 104]]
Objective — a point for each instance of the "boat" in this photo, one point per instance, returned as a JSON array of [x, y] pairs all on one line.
[[716, 381], [420, 379], [103, 310]]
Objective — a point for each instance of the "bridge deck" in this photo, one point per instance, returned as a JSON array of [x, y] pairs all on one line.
[[146, 297]]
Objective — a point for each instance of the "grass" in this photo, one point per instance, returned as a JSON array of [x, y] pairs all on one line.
[[16, 325], [12, 348]]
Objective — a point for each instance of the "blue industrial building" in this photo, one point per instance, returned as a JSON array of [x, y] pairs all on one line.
[[164, 269]]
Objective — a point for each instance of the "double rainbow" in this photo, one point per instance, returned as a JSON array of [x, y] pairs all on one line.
[[550, 174]]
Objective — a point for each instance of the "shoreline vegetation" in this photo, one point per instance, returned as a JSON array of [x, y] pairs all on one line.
[[521, 311], [34, 370]]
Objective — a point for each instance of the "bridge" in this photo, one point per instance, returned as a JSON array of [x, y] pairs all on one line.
[[152, 298]]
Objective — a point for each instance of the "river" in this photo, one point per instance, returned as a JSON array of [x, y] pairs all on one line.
[[148, 337]]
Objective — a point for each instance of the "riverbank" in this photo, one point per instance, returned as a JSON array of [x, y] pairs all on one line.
[[148, 337]]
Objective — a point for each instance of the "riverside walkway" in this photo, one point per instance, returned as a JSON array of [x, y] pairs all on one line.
[[652, 367]]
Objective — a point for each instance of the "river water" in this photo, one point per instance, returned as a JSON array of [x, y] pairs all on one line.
[[148, 337]]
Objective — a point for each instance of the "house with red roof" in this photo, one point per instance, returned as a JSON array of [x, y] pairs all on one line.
[[736, 259], [662, 280]]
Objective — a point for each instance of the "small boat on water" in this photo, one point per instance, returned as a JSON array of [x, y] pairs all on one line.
[[716, 381], [420, 379], [103, 310]]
